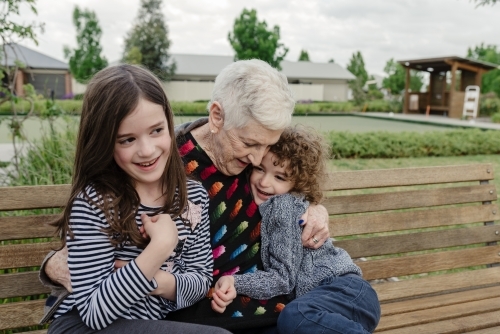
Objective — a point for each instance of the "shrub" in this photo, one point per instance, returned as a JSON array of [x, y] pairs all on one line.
[[489, 106], [414, 144], [495, 118]]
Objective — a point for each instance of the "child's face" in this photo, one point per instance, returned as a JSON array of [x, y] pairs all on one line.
[[142, 146], [267, 180]]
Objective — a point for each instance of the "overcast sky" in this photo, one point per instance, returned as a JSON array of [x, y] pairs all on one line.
[[380, 29]]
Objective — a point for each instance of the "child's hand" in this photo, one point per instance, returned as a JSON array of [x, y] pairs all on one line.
[[224, 293], [142, 231], [160, 228]]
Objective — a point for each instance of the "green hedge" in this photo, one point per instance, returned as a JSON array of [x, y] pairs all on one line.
[[414, 144], [200, 108]]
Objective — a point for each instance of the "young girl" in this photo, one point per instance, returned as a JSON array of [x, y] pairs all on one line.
[[130, 201], [329, 294]]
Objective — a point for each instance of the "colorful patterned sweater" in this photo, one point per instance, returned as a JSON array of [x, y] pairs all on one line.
[[235, 237]]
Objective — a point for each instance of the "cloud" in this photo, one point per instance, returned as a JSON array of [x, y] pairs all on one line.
[[383, 29]]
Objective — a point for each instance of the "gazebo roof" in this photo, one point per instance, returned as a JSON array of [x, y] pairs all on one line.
[[444, 64]]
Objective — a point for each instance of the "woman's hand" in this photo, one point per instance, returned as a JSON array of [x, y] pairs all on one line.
[[224, 293], [57, 268], [315, 222]]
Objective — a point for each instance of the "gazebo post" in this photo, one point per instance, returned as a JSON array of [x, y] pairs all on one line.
[[407, 93], [454, 68], [479, 78]]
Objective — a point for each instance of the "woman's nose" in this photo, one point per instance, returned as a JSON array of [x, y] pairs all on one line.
[[257, 155]]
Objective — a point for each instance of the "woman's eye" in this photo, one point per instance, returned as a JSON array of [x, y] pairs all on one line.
[[257, 169]]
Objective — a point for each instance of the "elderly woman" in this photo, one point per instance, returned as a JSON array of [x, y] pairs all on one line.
[[251, 105]]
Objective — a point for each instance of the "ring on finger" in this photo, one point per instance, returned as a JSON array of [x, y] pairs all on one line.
[[315, 240]]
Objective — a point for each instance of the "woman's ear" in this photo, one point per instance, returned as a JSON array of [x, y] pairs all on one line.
[[216, 117]]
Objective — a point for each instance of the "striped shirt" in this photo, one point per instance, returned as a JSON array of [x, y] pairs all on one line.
[[103, 295]]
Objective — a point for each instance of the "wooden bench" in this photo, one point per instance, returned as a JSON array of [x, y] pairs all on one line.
[[433, 228]]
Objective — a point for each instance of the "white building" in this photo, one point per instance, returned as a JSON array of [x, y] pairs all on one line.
[[195, 74]]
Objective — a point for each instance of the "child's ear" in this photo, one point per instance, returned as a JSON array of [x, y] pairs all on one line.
[[216, 117]]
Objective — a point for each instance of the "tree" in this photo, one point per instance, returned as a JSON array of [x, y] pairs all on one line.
[[357, 67], [304, 56], [86, 59], [11, 33], [488, 53], [485, 2], [148, 41], [251, 39], [396, 78], [331, 60]]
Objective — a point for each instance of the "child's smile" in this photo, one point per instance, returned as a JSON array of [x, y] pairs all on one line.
[[268, 180]]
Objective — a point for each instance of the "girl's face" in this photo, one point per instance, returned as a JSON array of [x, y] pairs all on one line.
[[267, 180], [142, 145]]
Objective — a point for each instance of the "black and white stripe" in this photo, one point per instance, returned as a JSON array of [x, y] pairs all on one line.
[[102, 295]]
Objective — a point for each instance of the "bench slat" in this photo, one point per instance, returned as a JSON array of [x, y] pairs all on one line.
[[407, 176], [412, 242], [409, 199], [457, 325], [491, 330], [416, 264], [27, 227], [21, 314], [438, 284], [34, 197], [439, 301], [25, 255], [439, 313], [21, 284], [394, 221]]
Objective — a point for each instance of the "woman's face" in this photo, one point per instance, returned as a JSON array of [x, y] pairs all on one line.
[[235, 149]]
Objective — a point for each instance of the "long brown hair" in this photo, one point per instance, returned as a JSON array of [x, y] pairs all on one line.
[[111, 95]]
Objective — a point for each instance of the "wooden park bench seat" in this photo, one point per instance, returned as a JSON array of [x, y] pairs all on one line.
[[425, 237]]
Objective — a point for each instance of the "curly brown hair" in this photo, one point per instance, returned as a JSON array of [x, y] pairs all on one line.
[[304, 154]]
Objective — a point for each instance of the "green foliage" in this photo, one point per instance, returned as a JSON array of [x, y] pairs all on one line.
[[357, 67], [495, 118], [47, 161], [10, 30], [304, 56], [414, 144], [148, 41], [396, 78], [251, 39], [485, 2], [86, 59], [488, 53], [40, 107], [489, 104], [331, 60]]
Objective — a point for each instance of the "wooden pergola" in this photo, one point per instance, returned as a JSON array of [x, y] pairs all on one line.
[[445, 93]]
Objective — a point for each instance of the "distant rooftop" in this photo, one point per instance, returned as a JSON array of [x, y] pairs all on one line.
[[31, 58], [210, 65]]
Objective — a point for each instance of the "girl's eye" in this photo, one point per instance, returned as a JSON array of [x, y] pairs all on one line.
[[281, 178], [158, 130], [126, 141]]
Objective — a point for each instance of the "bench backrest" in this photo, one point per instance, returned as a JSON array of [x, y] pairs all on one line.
[[433, 221], [436, 222]]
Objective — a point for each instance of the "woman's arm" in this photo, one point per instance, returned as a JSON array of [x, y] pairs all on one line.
[[315, 222]]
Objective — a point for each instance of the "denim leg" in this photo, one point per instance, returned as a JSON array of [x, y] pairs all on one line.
[[344, 304]]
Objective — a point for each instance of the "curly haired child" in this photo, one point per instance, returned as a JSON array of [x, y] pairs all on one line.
[[329, 294]]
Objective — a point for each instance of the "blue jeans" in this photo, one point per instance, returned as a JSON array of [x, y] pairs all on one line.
[[343, 304]]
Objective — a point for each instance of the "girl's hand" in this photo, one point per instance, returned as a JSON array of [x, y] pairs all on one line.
[[315, 222], [142, 231], [224, 293], [160, 228]]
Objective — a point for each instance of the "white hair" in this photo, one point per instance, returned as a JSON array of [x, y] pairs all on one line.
[[252, 90]]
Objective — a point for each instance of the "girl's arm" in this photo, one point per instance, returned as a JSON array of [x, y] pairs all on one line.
[[192, 284], [102, 295], [280, 226]]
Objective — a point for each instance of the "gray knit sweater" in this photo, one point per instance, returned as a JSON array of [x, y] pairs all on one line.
[[289, 268]]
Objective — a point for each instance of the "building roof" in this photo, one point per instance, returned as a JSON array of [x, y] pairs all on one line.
[[31, 58], [209, 65], [444, 63]]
